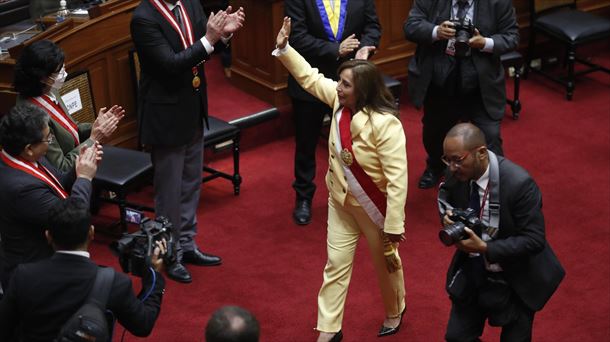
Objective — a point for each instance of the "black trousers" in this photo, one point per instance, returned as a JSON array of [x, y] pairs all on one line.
[[308, 118], [466, 323], [442, 112]]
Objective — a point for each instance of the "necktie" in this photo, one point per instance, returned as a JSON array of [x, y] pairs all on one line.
[[178, 16], [461, 13], [475, 201]]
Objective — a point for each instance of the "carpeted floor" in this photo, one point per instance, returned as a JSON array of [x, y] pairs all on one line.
[[274, 268]]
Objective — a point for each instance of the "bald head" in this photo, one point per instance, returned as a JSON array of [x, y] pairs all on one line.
[[470, 135], [232, 324]]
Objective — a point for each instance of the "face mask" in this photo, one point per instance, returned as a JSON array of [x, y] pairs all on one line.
[[59, 80]]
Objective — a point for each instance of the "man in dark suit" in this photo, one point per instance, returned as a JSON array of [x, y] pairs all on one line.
[[458, 84], [173, 39], [507, 271], [43, 295], [31, 185], [326, 36]]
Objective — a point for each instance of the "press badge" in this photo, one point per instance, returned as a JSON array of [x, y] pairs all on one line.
[[450, 50]]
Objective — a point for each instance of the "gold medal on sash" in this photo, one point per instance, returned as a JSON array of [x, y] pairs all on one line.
[[346, 157], [196, 81]]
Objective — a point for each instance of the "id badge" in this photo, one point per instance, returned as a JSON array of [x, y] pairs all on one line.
[[450, 50]]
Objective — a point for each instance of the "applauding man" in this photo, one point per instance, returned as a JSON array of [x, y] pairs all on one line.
[[173, 38]]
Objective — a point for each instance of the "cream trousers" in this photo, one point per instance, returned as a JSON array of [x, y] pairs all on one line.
[[345, 225]]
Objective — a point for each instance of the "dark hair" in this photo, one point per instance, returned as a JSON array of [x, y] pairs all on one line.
[[471, 135], [36, 62], [370, 89], [22, 126], [69, 221], [232, 324]]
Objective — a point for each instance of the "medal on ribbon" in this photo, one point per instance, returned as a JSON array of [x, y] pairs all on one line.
[[347, 157]]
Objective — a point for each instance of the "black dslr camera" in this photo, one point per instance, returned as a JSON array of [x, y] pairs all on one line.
[[462, 219], [134, 250], [464, 30]]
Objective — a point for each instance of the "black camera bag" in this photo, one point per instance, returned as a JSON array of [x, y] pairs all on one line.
[[89, 322]]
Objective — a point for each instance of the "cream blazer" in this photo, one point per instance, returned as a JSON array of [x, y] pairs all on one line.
[[379, 144]]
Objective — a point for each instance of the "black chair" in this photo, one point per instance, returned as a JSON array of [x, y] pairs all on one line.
[[395, 87], [120, 171], [515, 60], [221, 134], [561, 21]]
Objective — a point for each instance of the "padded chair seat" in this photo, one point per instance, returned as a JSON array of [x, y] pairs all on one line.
[[573, 26], [218, 131], [511, 57], [120, 166]]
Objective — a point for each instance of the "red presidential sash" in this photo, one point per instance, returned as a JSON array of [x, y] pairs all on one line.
[[187, 38], [58, 115], [40, 172], [372, 200]]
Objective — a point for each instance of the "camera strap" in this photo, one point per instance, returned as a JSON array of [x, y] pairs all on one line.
[[494, 195]]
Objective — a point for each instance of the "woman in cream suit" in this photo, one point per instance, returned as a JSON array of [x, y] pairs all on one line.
[[367, 183]]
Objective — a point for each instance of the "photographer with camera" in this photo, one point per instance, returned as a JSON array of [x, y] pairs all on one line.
[[456, 73], [44, 295], [503, 270]]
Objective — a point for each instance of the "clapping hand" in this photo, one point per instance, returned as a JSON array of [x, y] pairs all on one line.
[[215, 25], [348, 45], [106, 123], [86, 162], [365, 52], [233, 22], [282, 36]]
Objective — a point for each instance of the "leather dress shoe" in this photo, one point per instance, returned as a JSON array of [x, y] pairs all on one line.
[[385, 331], [197, 257], [429, 179], [337, 337], [179, 273], [302, 212]]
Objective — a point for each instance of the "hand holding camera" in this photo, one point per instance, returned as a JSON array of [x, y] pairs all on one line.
[[156, 260]]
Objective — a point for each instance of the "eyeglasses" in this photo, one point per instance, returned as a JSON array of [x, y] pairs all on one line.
[[50, 138], [457, 162]]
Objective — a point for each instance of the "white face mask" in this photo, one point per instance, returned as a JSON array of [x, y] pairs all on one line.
[[59, 80]]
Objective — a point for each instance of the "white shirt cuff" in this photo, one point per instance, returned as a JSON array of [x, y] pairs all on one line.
[[226, 40], [278, 52], [206, 45], [489, 45], [434, 35]]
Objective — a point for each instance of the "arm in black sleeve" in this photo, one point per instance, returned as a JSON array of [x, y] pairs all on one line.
[[155, 50], [137, 316], [309, 46], [418, 28], [526, 211], [371, 31], [506, 38]]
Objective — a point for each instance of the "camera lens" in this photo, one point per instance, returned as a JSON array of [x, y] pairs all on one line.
[[452, 233]]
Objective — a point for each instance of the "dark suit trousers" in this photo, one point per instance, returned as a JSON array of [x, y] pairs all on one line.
[[177, 183], [442, 112], [308, 118], [466, 322]]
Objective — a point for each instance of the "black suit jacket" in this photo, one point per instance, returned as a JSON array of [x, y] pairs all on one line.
[[530, 265], [170, 111], [494, 19], [309, 38], [24, 203], [43, 295]]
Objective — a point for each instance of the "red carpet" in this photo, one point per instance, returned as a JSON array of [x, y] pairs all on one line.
[[274, 268]]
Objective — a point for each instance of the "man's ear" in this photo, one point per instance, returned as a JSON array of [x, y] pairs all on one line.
[[91, 233], [481, 152]]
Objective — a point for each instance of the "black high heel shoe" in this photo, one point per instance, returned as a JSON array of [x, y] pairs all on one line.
[[338, 337], [385, 331]]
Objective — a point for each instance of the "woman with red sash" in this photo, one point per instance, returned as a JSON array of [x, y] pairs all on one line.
[[30, 185], [39, 74], [366, 180]]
